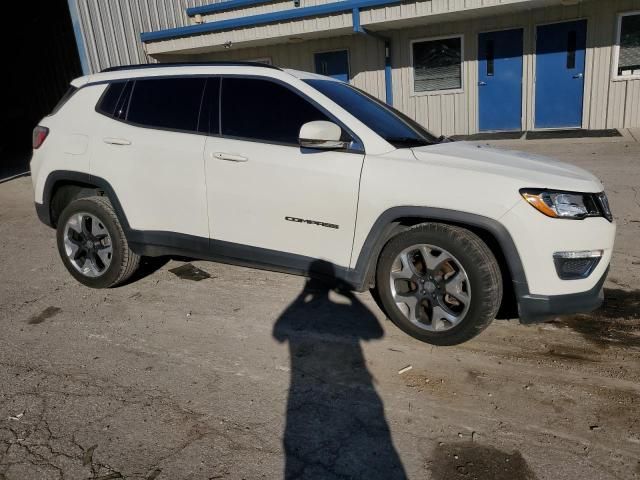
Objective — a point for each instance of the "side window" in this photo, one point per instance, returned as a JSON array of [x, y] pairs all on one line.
[[437, 64], [258, 109], [111, 98], [172, 103], [629, 45]]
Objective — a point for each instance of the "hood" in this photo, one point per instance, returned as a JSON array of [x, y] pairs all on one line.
[[526, 169]]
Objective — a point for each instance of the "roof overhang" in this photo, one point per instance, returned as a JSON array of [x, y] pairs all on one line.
[[320, 21]]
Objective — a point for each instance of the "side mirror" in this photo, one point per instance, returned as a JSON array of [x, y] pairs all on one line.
[[321, 135]]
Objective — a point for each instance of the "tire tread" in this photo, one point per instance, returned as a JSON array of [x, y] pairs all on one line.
[[482, 259]]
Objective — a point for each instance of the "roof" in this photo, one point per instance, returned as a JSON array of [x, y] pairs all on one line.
[[202, 68], [187, 64]]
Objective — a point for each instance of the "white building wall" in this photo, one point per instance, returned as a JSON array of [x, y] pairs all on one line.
[[366, 58], [608, 103], [111, 31]]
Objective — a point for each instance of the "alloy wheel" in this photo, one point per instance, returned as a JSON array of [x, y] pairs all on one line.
[[87, 244], [430, 287]]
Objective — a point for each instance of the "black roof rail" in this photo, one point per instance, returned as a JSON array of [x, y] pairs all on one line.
[[188, 64]]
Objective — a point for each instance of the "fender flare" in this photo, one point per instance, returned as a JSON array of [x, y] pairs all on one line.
[[389, 219], [57, 176]]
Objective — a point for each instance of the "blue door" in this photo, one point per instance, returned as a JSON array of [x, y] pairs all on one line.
[[333, 64], [500, 80], [560, 51]]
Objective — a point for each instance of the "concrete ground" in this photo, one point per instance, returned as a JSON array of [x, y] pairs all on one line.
[[167, 378]]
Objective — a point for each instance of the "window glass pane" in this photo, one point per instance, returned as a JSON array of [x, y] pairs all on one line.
[[172, 103], [490, 58], [572, 39], [263, 110], [110, 98], [123, 101], [437, 65], [390, 124], [629, 61]]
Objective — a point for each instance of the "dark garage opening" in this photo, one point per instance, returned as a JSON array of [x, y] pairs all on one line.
[[42, 59]]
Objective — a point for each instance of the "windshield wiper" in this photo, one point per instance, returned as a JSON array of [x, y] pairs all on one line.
[[408, 141]]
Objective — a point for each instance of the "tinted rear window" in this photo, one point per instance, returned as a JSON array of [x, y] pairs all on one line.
[[110, 98], [263, 110], [172, 103]]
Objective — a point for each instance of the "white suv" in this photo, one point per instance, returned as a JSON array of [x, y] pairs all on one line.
[[291, 171]]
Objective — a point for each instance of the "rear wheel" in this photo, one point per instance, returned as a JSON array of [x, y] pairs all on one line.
[[92, 244], [439, 283]]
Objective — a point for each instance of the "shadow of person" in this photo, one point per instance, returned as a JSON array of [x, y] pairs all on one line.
[[335, 426]]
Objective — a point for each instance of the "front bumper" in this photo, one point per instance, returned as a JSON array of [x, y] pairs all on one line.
[[538, 308]]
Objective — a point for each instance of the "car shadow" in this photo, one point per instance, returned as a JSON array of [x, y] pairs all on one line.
[[615, 323], [335, 424], [148, 266]]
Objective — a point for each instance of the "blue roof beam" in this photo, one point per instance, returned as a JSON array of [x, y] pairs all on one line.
[[264, 18]]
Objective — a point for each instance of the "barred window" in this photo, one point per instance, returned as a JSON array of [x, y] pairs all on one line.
[[437, 64], [629, 42]]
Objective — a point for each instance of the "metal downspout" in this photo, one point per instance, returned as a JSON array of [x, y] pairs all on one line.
[[388, 80]]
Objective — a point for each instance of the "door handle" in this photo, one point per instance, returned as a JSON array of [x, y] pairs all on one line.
[[482, 84], [231, 157], [578, 75], [116, 141]]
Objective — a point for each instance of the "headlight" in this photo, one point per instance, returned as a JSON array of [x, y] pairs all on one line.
[[569, 205]]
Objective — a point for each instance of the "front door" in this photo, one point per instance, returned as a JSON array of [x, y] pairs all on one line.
[[265, 191], [560, 53], [500, 80], [333, 64]]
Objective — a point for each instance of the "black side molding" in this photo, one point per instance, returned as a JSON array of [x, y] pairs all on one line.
[[532, 308]]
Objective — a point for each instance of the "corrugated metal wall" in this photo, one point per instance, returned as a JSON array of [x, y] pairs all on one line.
[[111, 28], [607, 103], [366, 58], [274, 6]]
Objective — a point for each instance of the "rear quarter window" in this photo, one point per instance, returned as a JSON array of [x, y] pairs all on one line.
[[113, 100]]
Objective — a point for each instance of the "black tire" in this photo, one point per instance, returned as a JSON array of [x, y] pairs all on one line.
[[124, 261], [475, 257]]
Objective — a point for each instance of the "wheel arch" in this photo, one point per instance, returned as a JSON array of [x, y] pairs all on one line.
[[64, 186], [494, 234]]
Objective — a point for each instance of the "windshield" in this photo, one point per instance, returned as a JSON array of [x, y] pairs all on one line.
[[395, 127]]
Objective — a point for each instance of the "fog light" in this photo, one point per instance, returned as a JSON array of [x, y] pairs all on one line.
[[575, 265]]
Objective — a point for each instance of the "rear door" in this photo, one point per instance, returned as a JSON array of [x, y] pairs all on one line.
[[560, 57], [147, 146], [500, 80], [264, 190], [333, 64]]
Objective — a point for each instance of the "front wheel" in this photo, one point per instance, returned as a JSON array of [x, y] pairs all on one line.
[[92, 244], [439, 283]]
